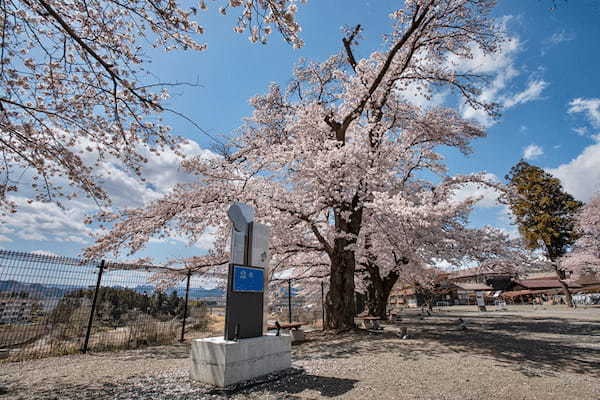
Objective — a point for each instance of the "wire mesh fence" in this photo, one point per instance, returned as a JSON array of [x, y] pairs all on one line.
[[53, 305]]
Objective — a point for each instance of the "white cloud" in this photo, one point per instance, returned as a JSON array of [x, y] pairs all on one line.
[[422, 97], [501, 66], [488, 196], [581, 176], [38, 221], [581, 131], [590, 108], [44, 253], [532, 151], [497, 65], [207, 239], [560, 37], [161, 172], [5, 239], [5, 229], [487, 63], [556, 39], [41, 221], [532, 92]]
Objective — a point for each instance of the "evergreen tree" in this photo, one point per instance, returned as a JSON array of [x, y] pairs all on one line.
[[544, 213]]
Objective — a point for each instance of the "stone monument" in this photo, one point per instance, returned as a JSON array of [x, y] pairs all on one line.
[[244, 352]]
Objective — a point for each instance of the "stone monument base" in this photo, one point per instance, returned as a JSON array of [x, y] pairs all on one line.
[[297, 335], [223, 362]]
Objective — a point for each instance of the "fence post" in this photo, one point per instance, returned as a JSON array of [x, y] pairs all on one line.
[[290, 301], [185, 306], [322, 305], [91, 320]]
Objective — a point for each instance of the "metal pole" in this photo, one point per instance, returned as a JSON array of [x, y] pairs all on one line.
[[185, 306], [290, 300], [323, 304], [89, 326], [248, 250]]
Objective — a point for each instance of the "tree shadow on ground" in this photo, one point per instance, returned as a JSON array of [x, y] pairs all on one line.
[[545, 325], [292, 382], [325, 385], [360, 342], [534, 346], [515, 342]]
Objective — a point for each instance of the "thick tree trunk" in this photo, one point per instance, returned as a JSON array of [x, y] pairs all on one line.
[[375, 299], [428, 297], [378, 292], [339, 303], [553, 256], [565, 288]]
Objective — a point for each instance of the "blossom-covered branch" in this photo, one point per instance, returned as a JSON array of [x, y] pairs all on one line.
[[75, 89]]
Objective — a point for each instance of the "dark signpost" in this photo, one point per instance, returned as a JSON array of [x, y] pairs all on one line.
[[245, 282], [244, 310]]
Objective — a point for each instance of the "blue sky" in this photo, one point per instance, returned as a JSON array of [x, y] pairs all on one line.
[[546, 76]]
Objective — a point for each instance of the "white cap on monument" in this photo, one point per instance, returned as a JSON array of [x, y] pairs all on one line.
[[241, 215]]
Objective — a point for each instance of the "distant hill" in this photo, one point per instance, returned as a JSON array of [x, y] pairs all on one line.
[[195, 293], [37, 290]]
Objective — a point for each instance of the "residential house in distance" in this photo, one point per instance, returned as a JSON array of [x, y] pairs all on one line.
[[404, 296], [14, 309]]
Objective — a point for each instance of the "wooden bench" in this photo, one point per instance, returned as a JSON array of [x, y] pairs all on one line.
[[296, 333], [287, 325], [370, 322]]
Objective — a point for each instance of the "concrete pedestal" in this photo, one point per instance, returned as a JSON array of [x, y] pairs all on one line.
[[297, 335], [222, 363]]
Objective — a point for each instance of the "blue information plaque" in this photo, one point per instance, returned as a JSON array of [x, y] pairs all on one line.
[[248, 279]]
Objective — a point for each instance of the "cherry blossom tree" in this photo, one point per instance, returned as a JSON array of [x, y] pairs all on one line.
[[585, 256], [74, 82], [318, 158], [412, 245]]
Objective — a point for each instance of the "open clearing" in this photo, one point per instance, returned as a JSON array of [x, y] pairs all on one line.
[[523, 353]]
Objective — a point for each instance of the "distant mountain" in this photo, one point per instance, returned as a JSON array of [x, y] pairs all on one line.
[[57, 290], [195, 293], [37, 290]]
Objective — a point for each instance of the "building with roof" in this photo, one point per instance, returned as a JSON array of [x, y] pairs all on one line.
[[496, 277], [539, 290], [543, 284], [466, 293]]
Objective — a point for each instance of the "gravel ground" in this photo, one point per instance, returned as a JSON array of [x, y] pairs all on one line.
[[520, 354]]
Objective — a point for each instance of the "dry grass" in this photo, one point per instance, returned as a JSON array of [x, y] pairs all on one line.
[[216, 323], [146, 331]]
